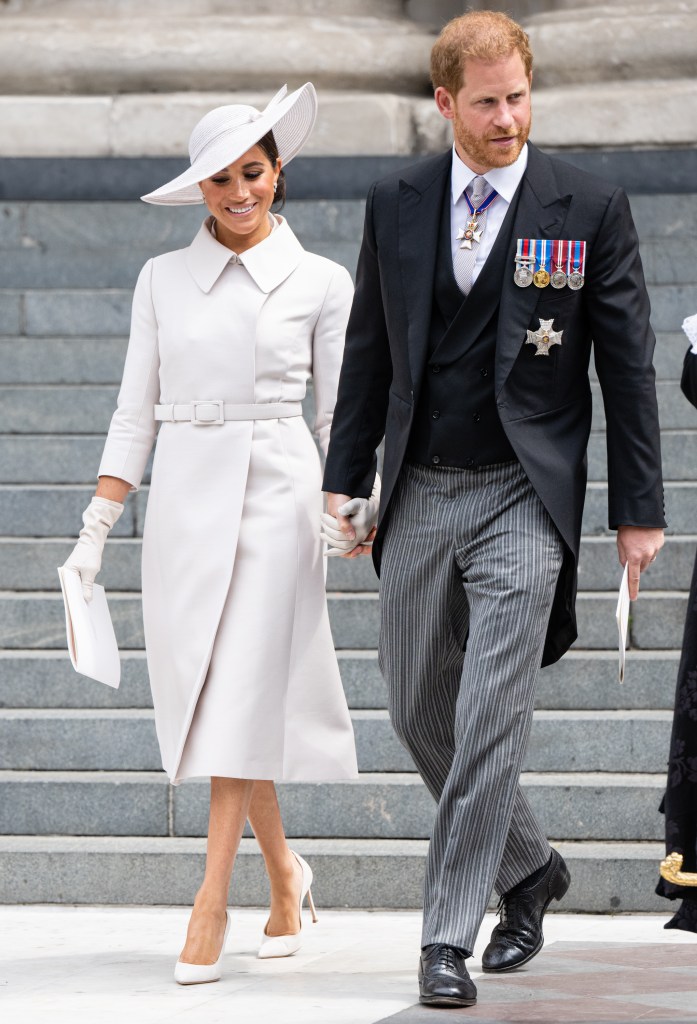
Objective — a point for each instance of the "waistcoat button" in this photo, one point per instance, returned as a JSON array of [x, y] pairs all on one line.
[[435, 459]]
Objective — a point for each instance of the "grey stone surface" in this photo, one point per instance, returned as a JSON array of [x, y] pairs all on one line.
[[669, 304], [587, 680], [666, 217], [81, 804], [29, 563], [51, 512], [680, 502], [104, 312], [41, 459], [37, 621], [599, 567], [11, 215], [116, 740], [32, 565], [678, 451], [674, 411], [61, 360], [582, 680], [598, 741], [46, 679], [79, 741], [606, 877], [398, 806], [669, 354], [354, 619], [228, 52], [74, 459], [660, 626], [11, 321], [57, 410]]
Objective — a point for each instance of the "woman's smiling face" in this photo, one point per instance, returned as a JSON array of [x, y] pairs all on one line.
[[240, 197]]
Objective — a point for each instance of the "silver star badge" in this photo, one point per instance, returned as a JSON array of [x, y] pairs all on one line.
[[468, 235], [544, 337]]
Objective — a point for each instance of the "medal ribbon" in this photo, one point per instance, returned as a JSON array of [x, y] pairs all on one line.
[[484, 206], [541, 253]]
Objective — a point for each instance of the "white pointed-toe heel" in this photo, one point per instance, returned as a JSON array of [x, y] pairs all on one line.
[[286, 945], [199, 974]]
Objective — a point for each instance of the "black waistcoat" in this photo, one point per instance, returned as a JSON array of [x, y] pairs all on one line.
[[456, 422]]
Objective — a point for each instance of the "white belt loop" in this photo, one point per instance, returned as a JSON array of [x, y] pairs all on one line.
[[214, 412]]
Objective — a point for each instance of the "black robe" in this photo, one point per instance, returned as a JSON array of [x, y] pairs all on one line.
[[680, 801]]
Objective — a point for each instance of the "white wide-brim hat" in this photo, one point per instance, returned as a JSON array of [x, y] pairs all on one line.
[[225, 134]]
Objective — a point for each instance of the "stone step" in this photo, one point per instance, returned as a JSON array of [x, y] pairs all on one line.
[[99, 360], [106, 740], [663, 222], [105, 311], [104, 245], [35, 619], [36, 511], [606, 877], [87, 409], [225, 52], [68, 263], [30, 564], [376, 806], [582, 680], [74, 458]]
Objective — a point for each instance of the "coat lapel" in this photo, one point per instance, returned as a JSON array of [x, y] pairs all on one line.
[[421, 192], [541, 213]]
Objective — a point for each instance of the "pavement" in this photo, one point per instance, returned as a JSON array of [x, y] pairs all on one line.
[[102, 965]]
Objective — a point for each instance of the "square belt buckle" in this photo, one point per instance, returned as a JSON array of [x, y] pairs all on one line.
[[207, 414]]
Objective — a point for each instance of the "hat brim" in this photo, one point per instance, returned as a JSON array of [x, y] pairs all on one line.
[[291, 121]]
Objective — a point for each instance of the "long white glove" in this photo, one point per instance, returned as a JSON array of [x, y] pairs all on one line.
[[99, 517], [363, 513], [689, 326]]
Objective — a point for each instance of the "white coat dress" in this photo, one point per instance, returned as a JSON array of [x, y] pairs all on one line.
[[240, 655]]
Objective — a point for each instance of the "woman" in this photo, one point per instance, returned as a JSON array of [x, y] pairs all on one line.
[[679, 874], [224, 337]]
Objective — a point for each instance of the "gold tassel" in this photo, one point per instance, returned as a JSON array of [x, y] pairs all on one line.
[[670, 870]]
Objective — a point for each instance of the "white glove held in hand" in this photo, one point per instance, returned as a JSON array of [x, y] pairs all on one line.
[[363, 513], [99, 517]]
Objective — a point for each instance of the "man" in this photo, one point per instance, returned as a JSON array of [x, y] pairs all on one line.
[[468, 349]]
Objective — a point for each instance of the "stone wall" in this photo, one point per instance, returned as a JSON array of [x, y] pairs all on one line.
[[133, 79]]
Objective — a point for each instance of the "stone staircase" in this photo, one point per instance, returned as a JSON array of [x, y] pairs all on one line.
[[85, 812]]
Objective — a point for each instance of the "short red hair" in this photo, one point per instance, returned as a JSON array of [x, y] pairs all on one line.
[[478, 35]]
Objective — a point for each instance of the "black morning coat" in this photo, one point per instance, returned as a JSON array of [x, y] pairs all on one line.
[[545, 402]]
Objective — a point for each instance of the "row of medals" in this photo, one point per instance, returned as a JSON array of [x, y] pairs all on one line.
[[524, 277]]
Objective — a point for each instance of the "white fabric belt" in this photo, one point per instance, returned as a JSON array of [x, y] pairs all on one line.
[[215, 412]]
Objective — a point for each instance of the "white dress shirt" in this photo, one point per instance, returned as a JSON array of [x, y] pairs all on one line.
[[505, 180]]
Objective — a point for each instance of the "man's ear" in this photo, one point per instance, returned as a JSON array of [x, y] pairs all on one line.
[[444, 102]]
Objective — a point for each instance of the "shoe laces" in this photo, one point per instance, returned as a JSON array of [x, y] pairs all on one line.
[[447, 958]]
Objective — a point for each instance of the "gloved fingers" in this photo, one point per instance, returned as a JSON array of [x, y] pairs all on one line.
[[352, 507], [341, 544], [87, 579], [329, 530]]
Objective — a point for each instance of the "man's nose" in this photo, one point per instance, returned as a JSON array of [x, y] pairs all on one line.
[[504, 116]]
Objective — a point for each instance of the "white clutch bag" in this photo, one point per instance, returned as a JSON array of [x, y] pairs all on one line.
[[91, 639]]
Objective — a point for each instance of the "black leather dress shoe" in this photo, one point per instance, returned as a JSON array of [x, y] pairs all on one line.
[[518, 936], [443, 977]]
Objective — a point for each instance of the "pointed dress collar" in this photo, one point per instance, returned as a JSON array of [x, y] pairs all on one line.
[[268, 263]]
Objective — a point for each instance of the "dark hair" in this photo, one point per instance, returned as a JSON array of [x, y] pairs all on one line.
[[270, 150]]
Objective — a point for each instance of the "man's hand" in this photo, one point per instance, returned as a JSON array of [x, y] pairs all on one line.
[[637, 547], [334, 503]]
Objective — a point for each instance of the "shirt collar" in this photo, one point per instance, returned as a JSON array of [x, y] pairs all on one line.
[[504, 179], [268, 263]]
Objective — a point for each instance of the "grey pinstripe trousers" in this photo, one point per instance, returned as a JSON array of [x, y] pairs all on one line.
[[468, 555]]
